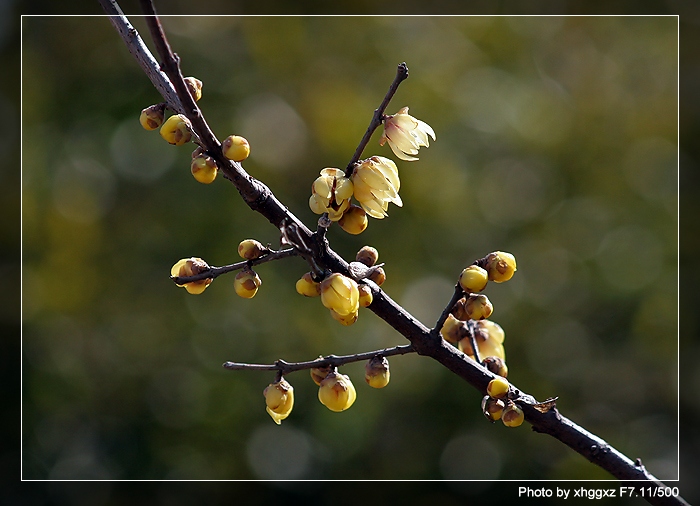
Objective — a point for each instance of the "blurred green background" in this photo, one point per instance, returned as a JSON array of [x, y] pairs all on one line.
[[556, 141]]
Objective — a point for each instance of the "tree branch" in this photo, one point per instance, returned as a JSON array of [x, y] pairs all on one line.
[[423, 341]]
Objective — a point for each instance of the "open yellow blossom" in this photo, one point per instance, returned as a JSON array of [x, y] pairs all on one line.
[[279, 400], [376, 183], [331, 193], [406, 134]]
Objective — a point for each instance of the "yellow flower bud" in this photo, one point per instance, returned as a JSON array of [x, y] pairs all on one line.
[[473, 279], [318, 374], [337, 392], [307, 287], [498, 387], [496, 365], [453, 330], [489, 340], [235, 148], [152, 116], [340, 294], [279, 400], [331, 193], [204, 169], [250, 249], [492, 408], [347, 319], [367, 255], [478, 307], [377, 372], [500, 266], [354, 220], [377, 275], [194, 86], [513, 416], [366, 296], [190, 267], [246, 283], [176, 130]]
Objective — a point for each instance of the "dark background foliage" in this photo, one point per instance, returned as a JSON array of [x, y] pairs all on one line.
[[556, 141]]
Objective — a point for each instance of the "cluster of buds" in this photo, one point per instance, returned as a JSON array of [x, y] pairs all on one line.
[[374, 182], [342, 295], [247, 281], [497, 406]]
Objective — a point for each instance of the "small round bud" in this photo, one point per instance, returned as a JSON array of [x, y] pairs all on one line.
[[478, 307], [246, 283], [337, 392], [512, 416], [354, 220], [366, 296], [176, 130], [473, 279], [454, 330], [377, 372], [340, 294], [204, 169], [318, 374], [377, 275], [500, 266], [190, 267], [250, 249], [236, 148], [307, 287], [367, 255], [279, 400], [347, 319], [498, 387], [492, 408], [496, 365], [194, 86], [152, 116]]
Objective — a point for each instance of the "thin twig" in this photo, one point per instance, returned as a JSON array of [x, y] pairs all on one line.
[[215, 272], [331, 360], [378, 116], [456, 295]]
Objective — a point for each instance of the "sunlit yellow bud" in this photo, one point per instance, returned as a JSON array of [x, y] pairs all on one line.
[[194, 86], [235, 148], [152, 116], [246, 283], [250, 249], [190, 267], [307, 287], [473, 279], [377, 372], [347, 319], [377, 275], [331, 193], [492, 408], [406, 134], [337, 392], [354, 220], [453, 330], [279, 400], [489, 340], [204, 169], [176, 130], [497, 387], [496, 365], [340, 294], [492, 330], [478, 307], [366, 296], [513, 416], [318, 374], [500, 266], [375, 184], [367, 255]]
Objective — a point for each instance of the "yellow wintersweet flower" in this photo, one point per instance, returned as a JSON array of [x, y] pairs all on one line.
[[279, 400], [376, 183], [331, 193], [406, 134], [187, 267], [340, 294], [337, 392]]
